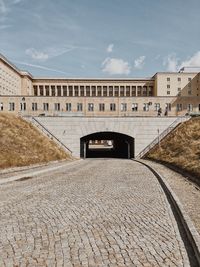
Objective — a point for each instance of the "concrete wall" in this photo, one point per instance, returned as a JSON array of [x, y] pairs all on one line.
[[70, 130]]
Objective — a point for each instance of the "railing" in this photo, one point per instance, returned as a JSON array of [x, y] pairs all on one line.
[[44, 130], [161, 136]]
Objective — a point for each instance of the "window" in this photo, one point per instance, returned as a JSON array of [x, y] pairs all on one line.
[[150, 90], [35, 90], [81, 90], [133, 90], [189, 92], [168, 79], [189, 79], [123, 107], [179, 79], [79, 107], [179, 107], [22, 106], [112, 106], [179, 89], [189, 107], [199, 107], [139, 90], [87, 90], [128, 93], [76, 90], [144, 91], [168, 92], [58, 90], [93, 90], [104, 90], [57, 106], [134, 107], [98, 90], [146, 107], [41, 90], [47, 90], [90, 107], [110, 90], [116, 90], [34, 106], [122, 91], [70, 90], [11, 106], [1, 106], [156, 106], [53, 92], [168, 106], [68, 107], [64, 90], [45, 106], [101, 107], [168, 86]]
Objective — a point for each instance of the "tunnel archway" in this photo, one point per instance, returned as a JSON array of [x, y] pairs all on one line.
[[107, 145]]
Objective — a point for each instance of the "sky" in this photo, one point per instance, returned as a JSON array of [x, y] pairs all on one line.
[[100, 38]]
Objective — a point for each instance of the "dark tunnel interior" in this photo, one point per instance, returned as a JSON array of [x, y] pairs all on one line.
[[107, 145]]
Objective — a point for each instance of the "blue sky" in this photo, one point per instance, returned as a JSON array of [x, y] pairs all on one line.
[[100, 38]]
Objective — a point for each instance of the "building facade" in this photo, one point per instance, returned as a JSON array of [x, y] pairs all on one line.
[[23, 94]]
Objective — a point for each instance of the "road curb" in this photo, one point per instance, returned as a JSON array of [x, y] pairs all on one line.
[[188, 226]]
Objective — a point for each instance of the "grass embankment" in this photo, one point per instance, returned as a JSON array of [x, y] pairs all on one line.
[[22, 144], [181, 148]]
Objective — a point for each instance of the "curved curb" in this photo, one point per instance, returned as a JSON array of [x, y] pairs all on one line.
[[189, 228]]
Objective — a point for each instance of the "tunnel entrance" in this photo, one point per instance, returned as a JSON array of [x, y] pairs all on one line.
[[107, 145]]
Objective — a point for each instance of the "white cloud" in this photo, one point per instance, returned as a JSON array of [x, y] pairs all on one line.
[[194, 61], [110, 48], [3, 8], [116, 66], [2, 27], [139, 62], [37, 55], [171, 63]]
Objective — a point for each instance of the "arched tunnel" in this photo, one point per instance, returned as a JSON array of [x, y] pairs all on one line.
[[107, 145]]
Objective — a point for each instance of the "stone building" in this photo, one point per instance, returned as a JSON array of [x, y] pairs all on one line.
[[21, 93]]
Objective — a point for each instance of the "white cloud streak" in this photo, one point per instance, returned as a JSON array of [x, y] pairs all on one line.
[[171, 63], [3, 8], [38, 66], [116, 66], [139, 62], [110, 48]]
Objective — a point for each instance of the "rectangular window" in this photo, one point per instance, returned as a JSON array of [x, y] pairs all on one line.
[[47, 90], [150, 90], [116, 88], [34, 106], [45, 106], [70, 90], [76, 90], [179, 89], [189, 92], [179, 107], [156, 106], [189, 79], [98, 90], [53, 91], [146, 107], [23, 106], [168, 79], [59, 90], [79, 107], [134, 107], [41, 90], [122, 91], [35, 90], [190, 107], [101, 107], [168, 106], [90, 107], [179, 79], [128, 93], [199, 107], [133, 90], [81, 90], [139, 90], [1, 106], [110, 90], [64, 90], [144, 91], [57, 106], [168, 86], [68, 107], [11, 106], [123, 107], [93, 90], [168, 92], [112, 106], [87, 90], [104, 90]]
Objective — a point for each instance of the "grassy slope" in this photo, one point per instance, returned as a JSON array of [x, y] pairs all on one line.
[[181, 148], [21, 144]]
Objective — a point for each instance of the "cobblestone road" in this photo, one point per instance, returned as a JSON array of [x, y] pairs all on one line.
[[94, 213]]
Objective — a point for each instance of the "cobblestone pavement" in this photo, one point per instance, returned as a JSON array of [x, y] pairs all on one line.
[[187, 192], [99, 212]]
